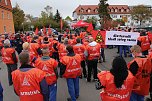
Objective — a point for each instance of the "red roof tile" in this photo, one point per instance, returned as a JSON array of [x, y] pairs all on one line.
[[93, 8]]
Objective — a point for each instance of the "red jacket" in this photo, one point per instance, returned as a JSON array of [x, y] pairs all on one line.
[[73, 66], [26, 84], [7, 57], [110, 92], [142, 78]]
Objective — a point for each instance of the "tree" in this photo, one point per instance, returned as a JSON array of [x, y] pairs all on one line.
[[49, 11], [103, 12], [141, 13], [92, 20], [57, 16], [18, 17], [29, 17]]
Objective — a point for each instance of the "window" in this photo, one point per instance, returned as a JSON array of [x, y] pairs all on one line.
[[89, 10], [120, 16], [8, 15], [116, 10], [119, 10], [122, 10], [6, 2], [4, 28], [2, 14], [112, 10]]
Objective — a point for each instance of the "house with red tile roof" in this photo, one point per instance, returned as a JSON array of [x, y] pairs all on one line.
[[123, 12]]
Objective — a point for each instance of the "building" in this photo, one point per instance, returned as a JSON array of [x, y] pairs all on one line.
[[6, 17], [116, 12]]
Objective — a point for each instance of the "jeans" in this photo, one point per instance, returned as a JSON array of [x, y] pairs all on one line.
[[53, 92], [10, 69], [1, 93], [73, 87], [136, 97], [92, 64], [121, 49]]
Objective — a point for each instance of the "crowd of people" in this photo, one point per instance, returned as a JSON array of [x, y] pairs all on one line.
[[43, 58]]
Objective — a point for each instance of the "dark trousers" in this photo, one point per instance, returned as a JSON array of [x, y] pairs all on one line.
[[92, 64], [150, 89], [102, 54], [1, 92], [83, 67], [55, 56], [10, 69]]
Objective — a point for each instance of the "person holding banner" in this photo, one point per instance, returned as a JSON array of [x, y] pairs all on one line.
[[141, 68]]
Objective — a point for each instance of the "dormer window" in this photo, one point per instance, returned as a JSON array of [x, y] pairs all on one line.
[[116, 10], [89, 10], [122, 10], [127, 10], [82, 10], [112, 10]]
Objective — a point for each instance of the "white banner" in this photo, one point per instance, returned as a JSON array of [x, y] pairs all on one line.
[[121, 38]]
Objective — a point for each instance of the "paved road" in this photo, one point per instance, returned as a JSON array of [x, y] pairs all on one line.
[[87, 90]]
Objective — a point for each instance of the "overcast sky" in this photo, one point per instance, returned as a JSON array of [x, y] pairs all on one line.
[[66, 7]]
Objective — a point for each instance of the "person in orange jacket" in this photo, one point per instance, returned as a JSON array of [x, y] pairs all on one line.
[[141, 68], [26, 48], [92, 53], [62, 48], [144, 42], [29, 82], [71, 70], [9, 58], [80, 49], [35, 47], [117, 83], [49, 66], [48, 44]]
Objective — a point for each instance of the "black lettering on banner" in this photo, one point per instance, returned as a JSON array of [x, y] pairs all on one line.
[[112, 39]]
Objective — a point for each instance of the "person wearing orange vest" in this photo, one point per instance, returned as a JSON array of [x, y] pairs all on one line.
[[92, 53], [141, 68], [48, 44], [71, 70], [35, 47], [55, 44], [49, 66], [117, 83], [9, 58], [80, 49], [26, 48], [29, 82], [144, 42], [62, 48]]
